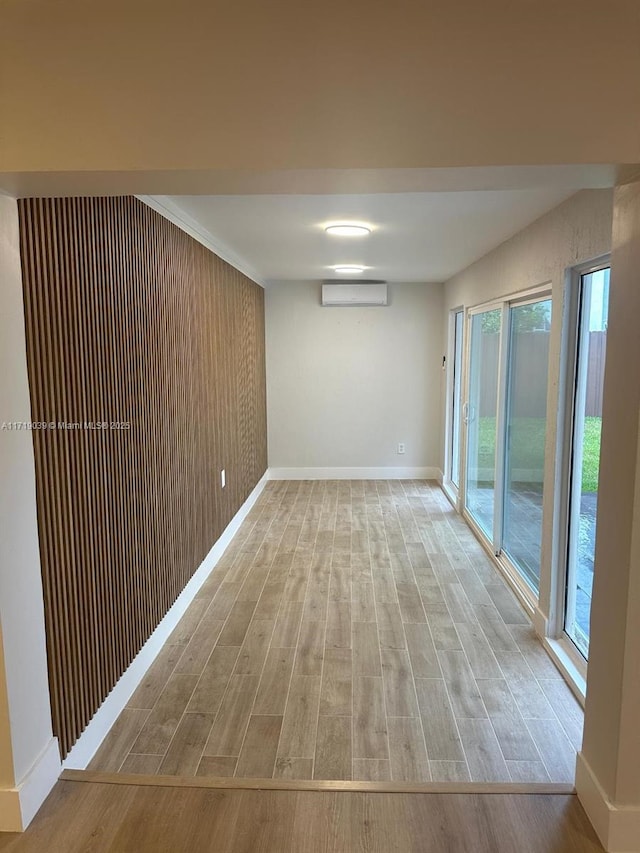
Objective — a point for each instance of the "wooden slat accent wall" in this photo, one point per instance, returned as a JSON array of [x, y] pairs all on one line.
[[130, 320]]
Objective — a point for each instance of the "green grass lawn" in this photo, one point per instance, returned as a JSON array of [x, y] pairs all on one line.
[[591, 454], [527, 446]]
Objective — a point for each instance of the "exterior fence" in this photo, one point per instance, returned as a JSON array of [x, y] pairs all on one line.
[[531, 367], [595, 373]]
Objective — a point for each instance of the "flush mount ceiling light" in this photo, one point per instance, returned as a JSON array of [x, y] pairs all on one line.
[[347, 229], [349, 269]]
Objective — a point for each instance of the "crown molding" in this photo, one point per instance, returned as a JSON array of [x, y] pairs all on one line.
[[165, 206]]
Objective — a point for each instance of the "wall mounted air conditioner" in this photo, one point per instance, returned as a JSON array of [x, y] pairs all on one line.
[[336, 294]]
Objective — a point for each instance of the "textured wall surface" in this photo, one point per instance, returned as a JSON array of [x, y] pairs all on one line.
[[150, 349]]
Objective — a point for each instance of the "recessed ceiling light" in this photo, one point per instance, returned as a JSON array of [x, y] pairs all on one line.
[[348, 229], [350, 269]]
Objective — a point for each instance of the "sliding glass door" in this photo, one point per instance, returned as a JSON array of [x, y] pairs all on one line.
[[526, 421], [505, 417], [593, 299], [456, 399], [480, 418]]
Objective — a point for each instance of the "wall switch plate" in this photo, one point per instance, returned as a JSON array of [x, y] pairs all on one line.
[[223, 478], [401, 447]]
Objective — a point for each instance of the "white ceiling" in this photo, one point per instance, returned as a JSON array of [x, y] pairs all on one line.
[[416, 237], [427, 224]]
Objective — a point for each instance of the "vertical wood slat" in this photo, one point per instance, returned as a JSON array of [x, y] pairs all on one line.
[[128, 319]]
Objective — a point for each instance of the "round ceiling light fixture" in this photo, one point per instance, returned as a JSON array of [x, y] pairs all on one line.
[[347, 229], [349, 269]]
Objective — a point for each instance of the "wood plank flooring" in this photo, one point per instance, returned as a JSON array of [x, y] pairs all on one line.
[[78, 817], [353, 630]]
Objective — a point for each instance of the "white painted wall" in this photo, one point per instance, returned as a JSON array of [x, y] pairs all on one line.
[[607, 779], [345, 385], [574, 232], [23, 669]]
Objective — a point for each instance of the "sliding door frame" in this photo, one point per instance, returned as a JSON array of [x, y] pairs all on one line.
[[560, 641], [452, 491], [482, 308], [494, 546], [548, 609]]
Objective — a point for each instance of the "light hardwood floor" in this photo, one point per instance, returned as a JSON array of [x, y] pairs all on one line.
[[81, 817], [352, 630]]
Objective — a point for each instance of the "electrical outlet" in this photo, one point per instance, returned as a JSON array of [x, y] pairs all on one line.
[[223, 478], [401, 447]]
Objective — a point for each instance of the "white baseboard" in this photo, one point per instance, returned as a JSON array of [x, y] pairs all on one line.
[[385, 473], [618, 827], [19, 805], [87, 744], [540, 623]]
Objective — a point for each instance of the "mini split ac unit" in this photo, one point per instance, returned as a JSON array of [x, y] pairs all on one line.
[[335, 294]]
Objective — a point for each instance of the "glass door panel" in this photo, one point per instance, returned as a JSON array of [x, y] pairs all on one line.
[[480, 417], [585, 459], [458, 324], [526, 418]]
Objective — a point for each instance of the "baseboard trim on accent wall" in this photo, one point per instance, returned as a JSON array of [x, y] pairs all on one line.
[[19, 805], [618, 827], [354, 473], [87, 744]]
